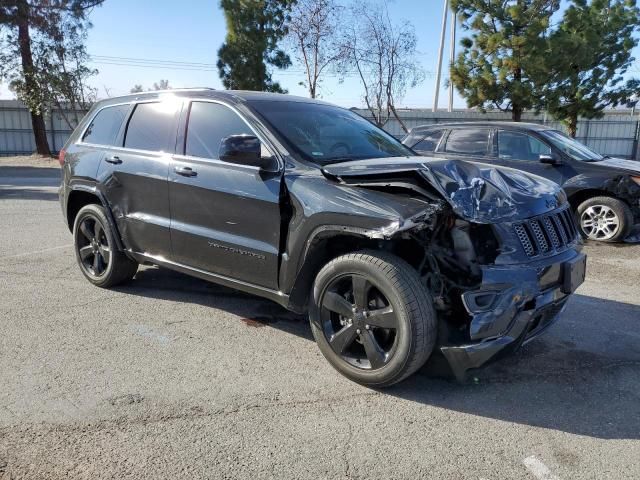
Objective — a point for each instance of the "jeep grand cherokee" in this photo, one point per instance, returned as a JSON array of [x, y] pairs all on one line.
[[312, 206]]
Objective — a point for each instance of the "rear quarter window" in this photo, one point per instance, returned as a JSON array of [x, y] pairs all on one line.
[[468, 141], [104, 128]]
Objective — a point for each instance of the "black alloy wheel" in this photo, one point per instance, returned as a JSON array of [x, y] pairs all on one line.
[[96, 249], [359, 322], [93, 246], [372, 317]]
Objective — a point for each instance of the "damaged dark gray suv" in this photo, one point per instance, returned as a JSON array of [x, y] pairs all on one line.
[[393, 256]]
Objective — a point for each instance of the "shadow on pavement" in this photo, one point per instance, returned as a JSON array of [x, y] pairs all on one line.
[[29, 183], [256, 312], [28, 194], [577, 380]]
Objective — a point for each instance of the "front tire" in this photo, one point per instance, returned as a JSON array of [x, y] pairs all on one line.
[[96, 250], [372, 318], [605, 219]]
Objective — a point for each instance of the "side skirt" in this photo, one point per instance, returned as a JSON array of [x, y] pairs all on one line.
[[274, 295]]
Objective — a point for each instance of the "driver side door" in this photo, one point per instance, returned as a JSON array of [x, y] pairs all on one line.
[[225, 217], [520, 150]]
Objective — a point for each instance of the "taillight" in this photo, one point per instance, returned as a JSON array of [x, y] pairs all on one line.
[[61, 157]]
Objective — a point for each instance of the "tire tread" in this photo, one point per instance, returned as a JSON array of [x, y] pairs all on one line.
[[418, 305]]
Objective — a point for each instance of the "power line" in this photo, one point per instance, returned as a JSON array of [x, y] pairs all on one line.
[[148, 60], [202, 66]]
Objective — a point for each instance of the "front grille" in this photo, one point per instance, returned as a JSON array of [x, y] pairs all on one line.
[[546, 233]]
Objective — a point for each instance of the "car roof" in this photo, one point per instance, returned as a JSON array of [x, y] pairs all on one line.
[[233, 96], [498, 124]]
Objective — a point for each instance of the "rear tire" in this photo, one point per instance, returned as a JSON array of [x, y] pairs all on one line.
[[96, 249], [604, 219], [372, 318]]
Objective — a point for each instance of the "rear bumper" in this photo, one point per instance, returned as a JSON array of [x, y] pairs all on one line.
[[516, 304]]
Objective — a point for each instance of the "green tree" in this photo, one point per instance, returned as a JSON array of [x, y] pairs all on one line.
[[254, 30], [42, 56], [590, 53], [500, 62]]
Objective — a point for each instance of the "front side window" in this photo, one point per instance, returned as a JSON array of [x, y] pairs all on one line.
[[208, 124], [429, 142], [151, 127], [326, 134], [468, 141], [520, 146], [571, 147], [105, 126]]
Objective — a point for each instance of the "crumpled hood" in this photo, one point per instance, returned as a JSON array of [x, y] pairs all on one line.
[[477, 192]]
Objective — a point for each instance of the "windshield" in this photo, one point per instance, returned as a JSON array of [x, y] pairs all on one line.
[[325, 134], [571, 147]]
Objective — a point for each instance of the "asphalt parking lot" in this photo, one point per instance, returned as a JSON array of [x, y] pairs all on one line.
[[172, 377]]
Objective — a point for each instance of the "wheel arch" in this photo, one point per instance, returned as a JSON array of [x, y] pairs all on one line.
[[328, 244], [321, 249], [79, 197], [576, 198]]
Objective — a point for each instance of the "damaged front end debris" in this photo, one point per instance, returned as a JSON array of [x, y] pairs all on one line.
[[499, 251]]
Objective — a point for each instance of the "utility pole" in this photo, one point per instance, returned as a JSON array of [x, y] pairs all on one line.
[[441, 51], [452, 56]]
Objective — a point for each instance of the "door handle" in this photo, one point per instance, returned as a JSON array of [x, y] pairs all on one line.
[[115, 160], [185, 171]]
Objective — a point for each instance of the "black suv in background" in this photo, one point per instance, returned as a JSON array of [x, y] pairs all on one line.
[[312, 206], [604, 192]]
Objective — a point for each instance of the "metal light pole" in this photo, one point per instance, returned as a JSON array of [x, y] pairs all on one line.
[[452, 56], [439, 70]]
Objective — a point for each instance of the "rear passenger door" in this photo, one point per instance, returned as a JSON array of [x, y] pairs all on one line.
[[134, 176], [225, 216], [472, 143]]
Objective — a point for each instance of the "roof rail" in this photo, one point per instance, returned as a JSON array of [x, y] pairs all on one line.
[[188, 89]]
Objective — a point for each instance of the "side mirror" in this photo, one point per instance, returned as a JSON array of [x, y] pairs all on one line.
[[243, 150], [549, 159]]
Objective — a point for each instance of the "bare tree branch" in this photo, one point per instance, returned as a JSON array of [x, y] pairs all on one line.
[[383, 53], [313, 33]]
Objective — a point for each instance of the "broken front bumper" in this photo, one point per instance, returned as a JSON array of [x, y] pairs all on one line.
[[514, 304]]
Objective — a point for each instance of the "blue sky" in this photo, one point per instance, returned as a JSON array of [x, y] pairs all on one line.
[[193, 30]]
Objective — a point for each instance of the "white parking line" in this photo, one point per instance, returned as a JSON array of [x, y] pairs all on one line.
[[538, 469], [36, 252], [147, 332]]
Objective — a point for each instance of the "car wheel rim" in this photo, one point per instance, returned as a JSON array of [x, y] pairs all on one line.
[[359, 322], [599, 222], [93, 247]]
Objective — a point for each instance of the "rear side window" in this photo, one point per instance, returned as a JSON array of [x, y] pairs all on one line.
[[105, 126], [151, 126], [468, 141], [208, 124], [429, 142]]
